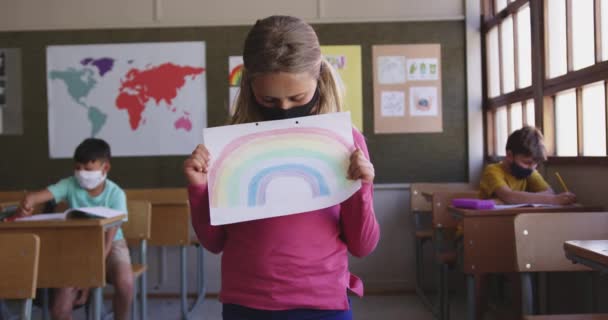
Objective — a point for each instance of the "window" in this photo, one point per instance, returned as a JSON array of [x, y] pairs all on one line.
[[565, 42]]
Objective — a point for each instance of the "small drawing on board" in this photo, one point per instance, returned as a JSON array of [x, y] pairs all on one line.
[[337, 61], [393, 103], [422, 69], [391, 69], [423, 101]]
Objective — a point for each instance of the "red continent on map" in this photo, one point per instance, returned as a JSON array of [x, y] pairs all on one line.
[[160, 83]]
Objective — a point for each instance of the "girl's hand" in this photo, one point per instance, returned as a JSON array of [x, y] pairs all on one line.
[[196, 166], [360, 167]]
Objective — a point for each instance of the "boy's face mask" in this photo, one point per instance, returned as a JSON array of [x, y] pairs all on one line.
[[90, 179], [520, 172]]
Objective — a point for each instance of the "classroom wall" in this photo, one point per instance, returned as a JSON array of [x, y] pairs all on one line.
[[90, 14]]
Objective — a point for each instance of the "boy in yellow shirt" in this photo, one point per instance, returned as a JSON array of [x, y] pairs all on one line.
[[515, 179]]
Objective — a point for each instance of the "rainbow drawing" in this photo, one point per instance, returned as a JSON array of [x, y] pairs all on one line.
[[239, 177], [234, 78]]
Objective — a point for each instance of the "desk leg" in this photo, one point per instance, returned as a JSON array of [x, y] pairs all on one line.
[[26, 309], [184, 282], [527, 293], [97, 301], [45, 304], [143, 313], [471, 297]]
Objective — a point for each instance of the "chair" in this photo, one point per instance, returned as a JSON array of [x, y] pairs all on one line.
[[444, 237], [171, 227], [539, 239], [137, 233], [19, 268], [421, 207]]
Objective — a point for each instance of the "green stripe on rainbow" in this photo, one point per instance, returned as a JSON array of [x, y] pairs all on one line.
[[259, 151]]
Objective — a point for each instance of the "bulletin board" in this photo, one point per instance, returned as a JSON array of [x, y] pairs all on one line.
[[407, 88]]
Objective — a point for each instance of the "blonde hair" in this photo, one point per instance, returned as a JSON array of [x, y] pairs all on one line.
[[285, 44]]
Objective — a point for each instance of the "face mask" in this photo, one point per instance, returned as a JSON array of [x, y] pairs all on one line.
[[520, 172], [275, 113], [89, 180]]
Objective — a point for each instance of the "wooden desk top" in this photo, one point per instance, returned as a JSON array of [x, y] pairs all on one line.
[[460, 213], [594, 250], [68, 223]]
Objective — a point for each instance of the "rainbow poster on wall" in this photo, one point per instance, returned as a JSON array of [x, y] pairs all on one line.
[[235, 73], [277, 168]]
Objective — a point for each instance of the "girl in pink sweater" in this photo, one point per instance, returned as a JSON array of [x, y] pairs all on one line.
[[291, 267]]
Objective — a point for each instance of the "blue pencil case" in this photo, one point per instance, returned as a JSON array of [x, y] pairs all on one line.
[[472, 203]]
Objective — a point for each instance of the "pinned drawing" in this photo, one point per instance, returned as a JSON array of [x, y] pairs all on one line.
[[422, 69], [391, 69], [393, 103], [277, 168], [423, 101]]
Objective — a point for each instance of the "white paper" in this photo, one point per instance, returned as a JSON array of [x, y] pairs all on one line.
[[43, 217], [392, 103], [391, 69], [423, 101], [235, 67], [524, 205], [277, 168], [422, 69], [91, 212], [144, 99]]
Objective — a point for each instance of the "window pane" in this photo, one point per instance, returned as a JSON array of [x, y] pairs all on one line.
[[594, 120], [556, 31], [530, 118], [565, 124], [604, 30], [524, 42], [493, 63], [508, 62], [583, 34], [500, 4], [516, 117], [502, 131]]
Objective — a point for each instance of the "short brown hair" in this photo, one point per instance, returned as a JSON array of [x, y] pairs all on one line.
[[285, 44], [527, 141]]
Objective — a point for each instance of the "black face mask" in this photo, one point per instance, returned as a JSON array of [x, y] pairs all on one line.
[[275, 113], [520, 172]]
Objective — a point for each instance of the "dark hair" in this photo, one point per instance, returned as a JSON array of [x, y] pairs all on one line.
[[527, 141], [92, 149]]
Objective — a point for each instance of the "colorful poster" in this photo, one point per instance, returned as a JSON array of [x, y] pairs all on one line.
[[277, 168], [145, 99], [235, 72], [422, 69], [347, 61]]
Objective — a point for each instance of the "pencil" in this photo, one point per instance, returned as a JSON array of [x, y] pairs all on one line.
[[561, 181]]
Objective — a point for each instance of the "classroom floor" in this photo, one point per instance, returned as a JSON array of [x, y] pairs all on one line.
[[372, 307]]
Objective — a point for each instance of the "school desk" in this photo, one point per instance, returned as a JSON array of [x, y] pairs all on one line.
[[171, 227], [592, 253], [71, 253], [489, 243]]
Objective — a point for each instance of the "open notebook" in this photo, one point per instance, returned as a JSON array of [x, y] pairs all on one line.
[[89, 212], [522, 205]]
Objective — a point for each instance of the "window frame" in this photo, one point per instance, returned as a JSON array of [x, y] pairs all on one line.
[[543, 89]]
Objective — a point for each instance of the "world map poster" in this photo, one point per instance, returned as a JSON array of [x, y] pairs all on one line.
[[144, 99]]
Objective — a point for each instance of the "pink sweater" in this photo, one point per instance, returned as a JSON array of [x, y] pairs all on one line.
[[294, 261]]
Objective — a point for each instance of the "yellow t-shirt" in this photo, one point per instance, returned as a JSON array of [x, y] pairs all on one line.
[[494, 176]]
